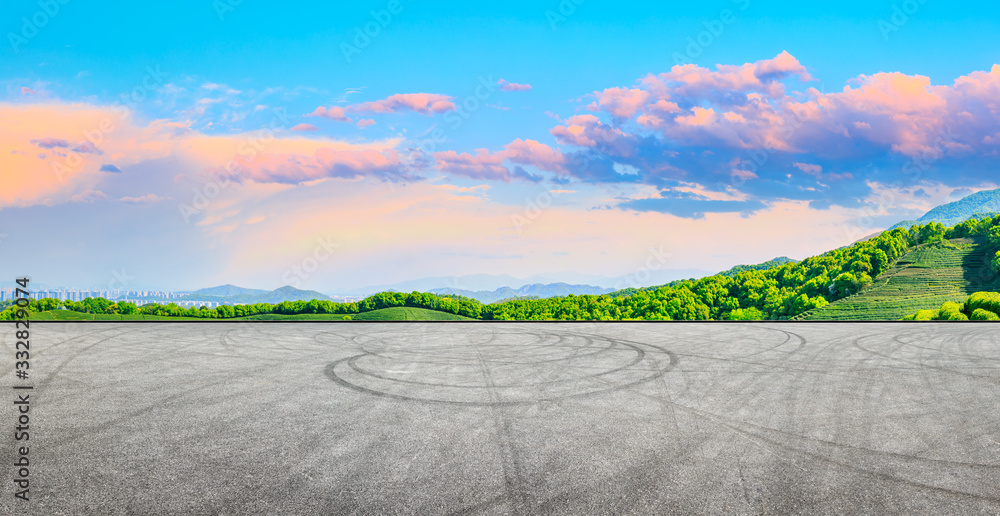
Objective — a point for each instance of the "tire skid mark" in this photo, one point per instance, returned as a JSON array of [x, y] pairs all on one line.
[[919, 365], [886, 476], [510, 462]]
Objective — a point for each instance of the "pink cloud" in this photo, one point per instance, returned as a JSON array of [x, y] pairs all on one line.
[[333, 113], [512, 86], [809, 168], [365, 122], [746, 107], [143, 199], [482, 165], [296, 168], [304, 127], [781, 66], [699, 117], [88, 196], [28, 92], [490, 165], [531, 152], [588, 131], [620, 102], [423, 103], [691, 83]]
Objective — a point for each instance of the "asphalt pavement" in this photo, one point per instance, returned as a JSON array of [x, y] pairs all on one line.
[[518, 418]]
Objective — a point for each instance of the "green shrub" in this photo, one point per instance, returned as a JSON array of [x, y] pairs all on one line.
[[984, 315], [989, 301], [951, 311], [923, 315]]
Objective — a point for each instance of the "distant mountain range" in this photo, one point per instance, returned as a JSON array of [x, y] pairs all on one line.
[[491, 282], [229, 291], [978, 205], [537, 290], [234, 294]]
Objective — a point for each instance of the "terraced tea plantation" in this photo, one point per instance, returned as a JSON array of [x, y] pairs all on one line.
[[924, 278]]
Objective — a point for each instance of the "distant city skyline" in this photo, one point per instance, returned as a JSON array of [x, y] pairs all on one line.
[[333, 147]]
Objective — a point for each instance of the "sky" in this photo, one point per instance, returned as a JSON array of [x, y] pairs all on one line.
[[333, 146]]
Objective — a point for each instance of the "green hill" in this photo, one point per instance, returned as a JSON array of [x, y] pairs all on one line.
[[770, 264], [978, 205], [925, 277]]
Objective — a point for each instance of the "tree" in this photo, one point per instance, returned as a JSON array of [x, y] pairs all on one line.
[[127, 308]]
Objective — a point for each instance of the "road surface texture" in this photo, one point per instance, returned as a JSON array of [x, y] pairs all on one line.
[[524, 418]]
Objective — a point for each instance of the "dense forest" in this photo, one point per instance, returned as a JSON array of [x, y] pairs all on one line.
[[775, 293]]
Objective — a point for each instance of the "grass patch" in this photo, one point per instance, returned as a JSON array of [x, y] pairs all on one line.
[[69, 315], [923, 279], [408, 314]]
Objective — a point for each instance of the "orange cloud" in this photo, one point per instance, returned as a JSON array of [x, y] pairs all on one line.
[[58, 152]]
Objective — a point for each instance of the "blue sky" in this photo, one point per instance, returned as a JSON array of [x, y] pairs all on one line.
[[679, 174]]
